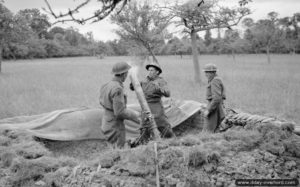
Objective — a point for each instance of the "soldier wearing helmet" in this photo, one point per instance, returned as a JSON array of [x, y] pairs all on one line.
[[113, 100], [154, 88], [215, 95]]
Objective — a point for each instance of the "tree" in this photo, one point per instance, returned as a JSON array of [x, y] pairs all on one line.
[[290, 27], [106, 7], [103, 49], [206, 15], [73, 36], [91, 43], [36, 21], [232, 41], [118, 47], [207, 38], [248, 23], [175, 46], [265, 33], [13, 32], [6, 24], [143, 24]]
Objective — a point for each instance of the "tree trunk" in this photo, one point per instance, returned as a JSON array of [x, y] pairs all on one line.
[[148, 47], [219, 33], [268, 54], [195, 57], [153, 56], [233, 55], [1, 57], [294, 50]]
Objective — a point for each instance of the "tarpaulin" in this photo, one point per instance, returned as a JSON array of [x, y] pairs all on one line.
[[84, 122]]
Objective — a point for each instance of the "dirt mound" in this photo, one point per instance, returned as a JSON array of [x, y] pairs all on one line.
[[193, 158]]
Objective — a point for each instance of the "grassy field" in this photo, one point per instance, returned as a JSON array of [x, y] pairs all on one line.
[[37, 86]]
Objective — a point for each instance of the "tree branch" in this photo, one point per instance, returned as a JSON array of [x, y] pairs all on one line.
[[107, 6]]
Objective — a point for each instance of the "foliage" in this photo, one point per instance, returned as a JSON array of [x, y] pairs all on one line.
[[27, 34], [6, 28], [207, 37], [265, 34], [206, 15], [35, 20], [142, 24], [53, 48], [36, 49]]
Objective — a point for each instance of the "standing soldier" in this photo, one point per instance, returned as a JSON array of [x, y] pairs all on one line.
[[154, 88], [215, 95], [113, 100]]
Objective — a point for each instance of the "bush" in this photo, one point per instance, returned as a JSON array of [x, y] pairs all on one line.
[[53, 48], [19, 50], [76, 51], [36, 49]]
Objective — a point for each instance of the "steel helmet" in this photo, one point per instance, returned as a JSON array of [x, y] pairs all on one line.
[[210, 68], [120, 67], [155, 65]]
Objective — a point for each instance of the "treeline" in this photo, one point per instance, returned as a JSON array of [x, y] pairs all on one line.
[[28, 34], [271, 35]]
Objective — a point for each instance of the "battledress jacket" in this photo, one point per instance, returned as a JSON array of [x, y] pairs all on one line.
[[113, 100], [215, 95]]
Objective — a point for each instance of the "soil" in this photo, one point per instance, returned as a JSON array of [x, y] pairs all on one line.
[[193, 158]]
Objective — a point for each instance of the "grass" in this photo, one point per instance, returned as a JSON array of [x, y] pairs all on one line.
[[43, 85], [195, 158]]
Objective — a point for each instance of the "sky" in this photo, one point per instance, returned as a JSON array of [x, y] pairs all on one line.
[[104, 30]]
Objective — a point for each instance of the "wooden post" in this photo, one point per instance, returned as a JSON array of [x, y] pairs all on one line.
[[0, 59], [142, 100], [156, 165], [1, 49]]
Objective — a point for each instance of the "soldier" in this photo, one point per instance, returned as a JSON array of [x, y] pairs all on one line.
[[113, 100], [215, 95], [154, 88]]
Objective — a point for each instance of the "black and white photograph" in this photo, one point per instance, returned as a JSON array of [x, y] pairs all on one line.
[[149, 93]]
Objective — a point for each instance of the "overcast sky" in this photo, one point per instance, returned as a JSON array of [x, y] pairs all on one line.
[[103, 30]]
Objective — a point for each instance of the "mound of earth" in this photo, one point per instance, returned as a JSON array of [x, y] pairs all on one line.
[[194, 158]]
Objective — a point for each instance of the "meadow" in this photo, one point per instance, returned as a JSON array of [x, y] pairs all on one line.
[[36, 86]]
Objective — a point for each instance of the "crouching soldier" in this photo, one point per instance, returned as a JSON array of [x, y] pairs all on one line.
[[113, 100], [215, 95]]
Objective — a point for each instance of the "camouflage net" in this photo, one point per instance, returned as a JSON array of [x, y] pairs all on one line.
[[250, 121]]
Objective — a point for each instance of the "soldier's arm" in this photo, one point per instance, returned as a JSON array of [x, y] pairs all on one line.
[[118, 101], [119, 107], [216, 89]]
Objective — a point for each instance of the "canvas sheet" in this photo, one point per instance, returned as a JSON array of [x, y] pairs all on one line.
[[84, 123]]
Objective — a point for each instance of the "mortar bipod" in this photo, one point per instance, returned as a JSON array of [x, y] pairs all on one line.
[[148, 130]]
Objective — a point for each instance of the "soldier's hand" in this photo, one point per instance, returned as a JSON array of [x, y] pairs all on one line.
[[156, 87], [131, 87], [205, 113], [136, 116], [156, 84]]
